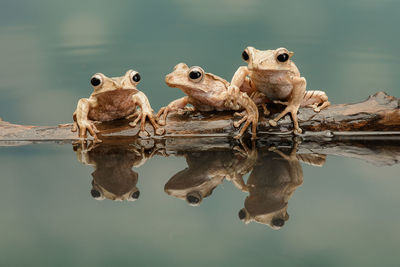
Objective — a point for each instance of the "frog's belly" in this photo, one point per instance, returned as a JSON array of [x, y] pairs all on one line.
[[113, 105], [275, 87], [276, 91]]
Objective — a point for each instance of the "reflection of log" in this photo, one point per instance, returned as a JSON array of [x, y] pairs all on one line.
[[379, 112], [377, 152]]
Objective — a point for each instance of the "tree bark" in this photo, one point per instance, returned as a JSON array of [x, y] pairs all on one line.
[[379, 114]]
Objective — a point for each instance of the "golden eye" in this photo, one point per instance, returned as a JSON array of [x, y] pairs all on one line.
[[196, 74], [96, 80]]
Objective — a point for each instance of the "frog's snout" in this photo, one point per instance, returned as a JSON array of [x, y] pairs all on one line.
[[168, 79]]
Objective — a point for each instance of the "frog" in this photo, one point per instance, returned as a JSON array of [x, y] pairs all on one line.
[[271, 76], [209, 92], [207, 170], [113, 98], [271, 184], [114, 176]]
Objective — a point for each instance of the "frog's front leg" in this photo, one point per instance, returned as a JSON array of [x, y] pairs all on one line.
[[146, 111], [82, 122], [240, 78], [294, 102], [174, 105], [82, 149], [250, 107], [318, 100]]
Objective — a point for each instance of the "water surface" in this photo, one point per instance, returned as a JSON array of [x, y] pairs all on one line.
[[344, 213]]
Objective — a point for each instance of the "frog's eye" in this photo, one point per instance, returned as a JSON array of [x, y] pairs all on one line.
[[96, 80], [242, 214], [135, 77], [278, 222], [194, 198], [96, 194], [245, 56], [135, 195], [282, 57], [196, 74]]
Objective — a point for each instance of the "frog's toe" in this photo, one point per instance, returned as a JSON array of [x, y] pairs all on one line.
[[161, 122], [297, 131], [317, 109], [272, 123], [160, 131], [143, 134], [238, 136]]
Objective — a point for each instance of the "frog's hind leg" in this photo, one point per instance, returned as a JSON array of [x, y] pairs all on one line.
[[318, 100]]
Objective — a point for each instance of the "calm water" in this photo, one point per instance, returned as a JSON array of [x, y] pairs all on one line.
[[344, 213]]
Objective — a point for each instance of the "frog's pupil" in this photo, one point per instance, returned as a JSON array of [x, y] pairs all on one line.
[[194, 74], [242, 214], [136, 77], [278, 222], [283, 57], [245, 56], [95, 193], [136, 195], [95, 81], [192, 199]]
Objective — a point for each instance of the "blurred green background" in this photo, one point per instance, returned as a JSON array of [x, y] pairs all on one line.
[[49, 49], [344, 214]]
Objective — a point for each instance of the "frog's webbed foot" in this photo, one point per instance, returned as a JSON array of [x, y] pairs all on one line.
[[315, 99], [285, 103], [84, 127], [162, 115], [142, 117], [74, 127], [133, 115], [182, 111], [317, 108], [295, 100], [247, 120], [293, 111], [236, 100]]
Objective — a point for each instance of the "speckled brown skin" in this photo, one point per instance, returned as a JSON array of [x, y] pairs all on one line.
[[209, 92], [276, 81], [114, 98]]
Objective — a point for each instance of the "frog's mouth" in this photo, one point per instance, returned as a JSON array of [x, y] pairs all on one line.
[[116, 92], [266, 70]]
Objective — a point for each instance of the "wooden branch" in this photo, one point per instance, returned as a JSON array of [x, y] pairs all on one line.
[[380, 114]]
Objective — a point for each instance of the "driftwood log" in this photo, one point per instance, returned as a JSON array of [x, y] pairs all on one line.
[[378, 115]]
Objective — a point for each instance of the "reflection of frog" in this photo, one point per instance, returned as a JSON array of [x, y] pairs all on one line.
[[206, 92], [113, 177], [276, 77], [272, 183], [206, 170], [113, 98]]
